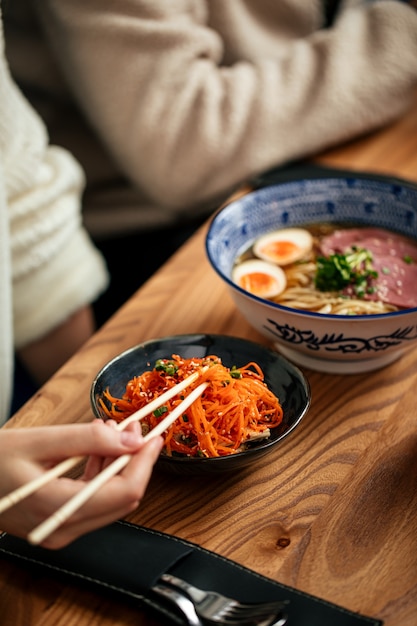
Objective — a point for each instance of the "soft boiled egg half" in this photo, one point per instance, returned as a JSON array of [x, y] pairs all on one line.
[[260, 278], [283, 247]]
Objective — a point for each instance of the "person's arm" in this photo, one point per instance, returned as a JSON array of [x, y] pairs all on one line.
[[43, 357], [50, 269], [26, 453], [186, 122]]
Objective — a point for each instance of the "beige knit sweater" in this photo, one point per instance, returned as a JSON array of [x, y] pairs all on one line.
[[48, 265], [191, 97]]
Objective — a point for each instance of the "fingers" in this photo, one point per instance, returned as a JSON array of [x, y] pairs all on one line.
[[114, 500], [120, 496], [53, 443], [102, 442], [96, 463], [141, 465], [67, 534]]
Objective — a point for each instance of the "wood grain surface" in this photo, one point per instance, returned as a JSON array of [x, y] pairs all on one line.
[[332, 512]]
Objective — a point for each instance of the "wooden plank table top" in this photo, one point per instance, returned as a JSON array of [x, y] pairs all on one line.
[[333, 512]]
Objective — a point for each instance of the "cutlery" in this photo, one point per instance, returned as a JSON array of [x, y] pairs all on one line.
[[209, 607]]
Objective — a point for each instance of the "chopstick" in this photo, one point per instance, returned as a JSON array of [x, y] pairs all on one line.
[[27, 489], [43, 530]]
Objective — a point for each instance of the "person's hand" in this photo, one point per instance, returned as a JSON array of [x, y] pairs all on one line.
[[27, 452]]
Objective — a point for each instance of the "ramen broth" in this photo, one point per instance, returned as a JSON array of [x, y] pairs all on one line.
[[391, 264]]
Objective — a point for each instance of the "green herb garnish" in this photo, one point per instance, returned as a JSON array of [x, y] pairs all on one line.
[[159, 412], [338, 271], [235, 373], [164, 365]]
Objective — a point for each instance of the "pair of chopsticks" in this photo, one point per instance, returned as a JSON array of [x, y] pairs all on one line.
[[43, 530]]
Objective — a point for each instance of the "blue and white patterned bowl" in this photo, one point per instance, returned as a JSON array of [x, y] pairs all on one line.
[[327, 343]]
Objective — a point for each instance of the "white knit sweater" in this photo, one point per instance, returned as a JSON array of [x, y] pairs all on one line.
[[191, 97], [48, 265]]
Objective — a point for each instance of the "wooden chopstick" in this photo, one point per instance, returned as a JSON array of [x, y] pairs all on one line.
[[43, 530], [6, 502]]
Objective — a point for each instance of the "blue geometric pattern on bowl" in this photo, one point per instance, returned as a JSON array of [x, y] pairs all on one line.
[[339, 343]]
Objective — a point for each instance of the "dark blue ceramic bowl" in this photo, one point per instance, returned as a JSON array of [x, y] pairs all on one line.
[[284, 379]]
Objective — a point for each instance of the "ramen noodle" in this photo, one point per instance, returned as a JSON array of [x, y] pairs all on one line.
[[376, 270]]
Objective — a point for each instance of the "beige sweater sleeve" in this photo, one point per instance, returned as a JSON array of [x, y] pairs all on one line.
[[48, 265], [6, 318], [55, 267], [192, 97]]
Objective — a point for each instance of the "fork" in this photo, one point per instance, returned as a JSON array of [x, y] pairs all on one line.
[[214, 608]]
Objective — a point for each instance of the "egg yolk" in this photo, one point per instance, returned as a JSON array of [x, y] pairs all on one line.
[[257, 283], [279, 249]]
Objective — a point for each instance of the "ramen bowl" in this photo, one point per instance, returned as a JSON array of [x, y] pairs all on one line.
[[341, 344], [283, 378]]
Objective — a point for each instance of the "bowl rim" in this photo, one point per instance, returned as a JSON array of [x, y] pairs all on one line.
[[274, 305], [262, 446]]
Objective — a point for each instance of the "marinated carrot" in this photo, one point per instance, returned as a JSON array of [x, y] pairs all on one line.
[[236, 407]]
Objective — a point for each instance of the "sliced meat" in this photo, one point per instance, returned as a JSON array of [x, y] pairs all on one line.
[[394, 258]]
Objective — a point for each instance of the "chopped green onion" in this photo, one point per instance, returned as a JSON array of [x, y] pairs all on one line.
[[164, 365], [338, 271], [235, 373], [159, 412]]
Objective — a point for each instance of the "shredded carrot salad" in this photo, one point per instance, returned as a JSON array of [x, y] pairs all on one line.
[[237, 407]]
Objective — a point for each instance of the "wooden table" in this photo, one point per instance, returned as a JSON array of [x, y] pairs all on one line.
[[333, 512]]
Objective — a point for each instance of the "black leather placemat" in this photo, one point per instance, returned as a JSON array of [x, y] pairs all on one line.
[[129, 559]]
